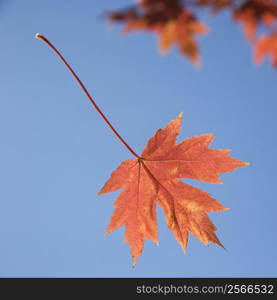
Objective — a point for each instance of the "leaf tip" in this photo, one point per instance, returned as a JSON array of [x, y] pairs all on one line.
[[211, 137], [217, 180], [181, 114], [100, 192], [198, 63], [134, 262], [184, 250], [222, 246]]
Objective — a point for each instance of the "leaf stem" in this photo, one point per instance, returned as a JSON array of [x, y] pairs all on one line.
[[44, 39]]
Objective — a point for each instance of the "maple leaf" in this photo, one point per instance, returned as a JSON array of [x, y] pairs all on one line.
[[266, 46], [155, 178], [255, 12]]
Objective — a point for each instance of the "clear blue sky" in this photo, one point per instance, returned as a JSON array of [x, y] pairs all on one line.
[[56, 152]]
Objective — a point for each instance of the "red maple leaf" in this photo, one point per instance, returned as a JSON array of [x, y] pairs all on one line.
[[155, 178]]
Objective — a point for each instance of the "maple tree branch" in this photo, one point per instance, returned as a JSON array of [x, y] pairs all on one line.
[[44, 39]]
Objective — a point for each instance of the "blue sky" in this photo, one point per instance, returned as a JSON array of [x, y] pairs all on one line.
[[56, 152]]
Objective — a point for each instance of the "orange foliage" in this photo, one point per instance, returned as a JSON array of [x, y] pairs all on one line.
[[155, 178], [170, 20], [255, 12], [266, 46], [176, 22], [174, 31]]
